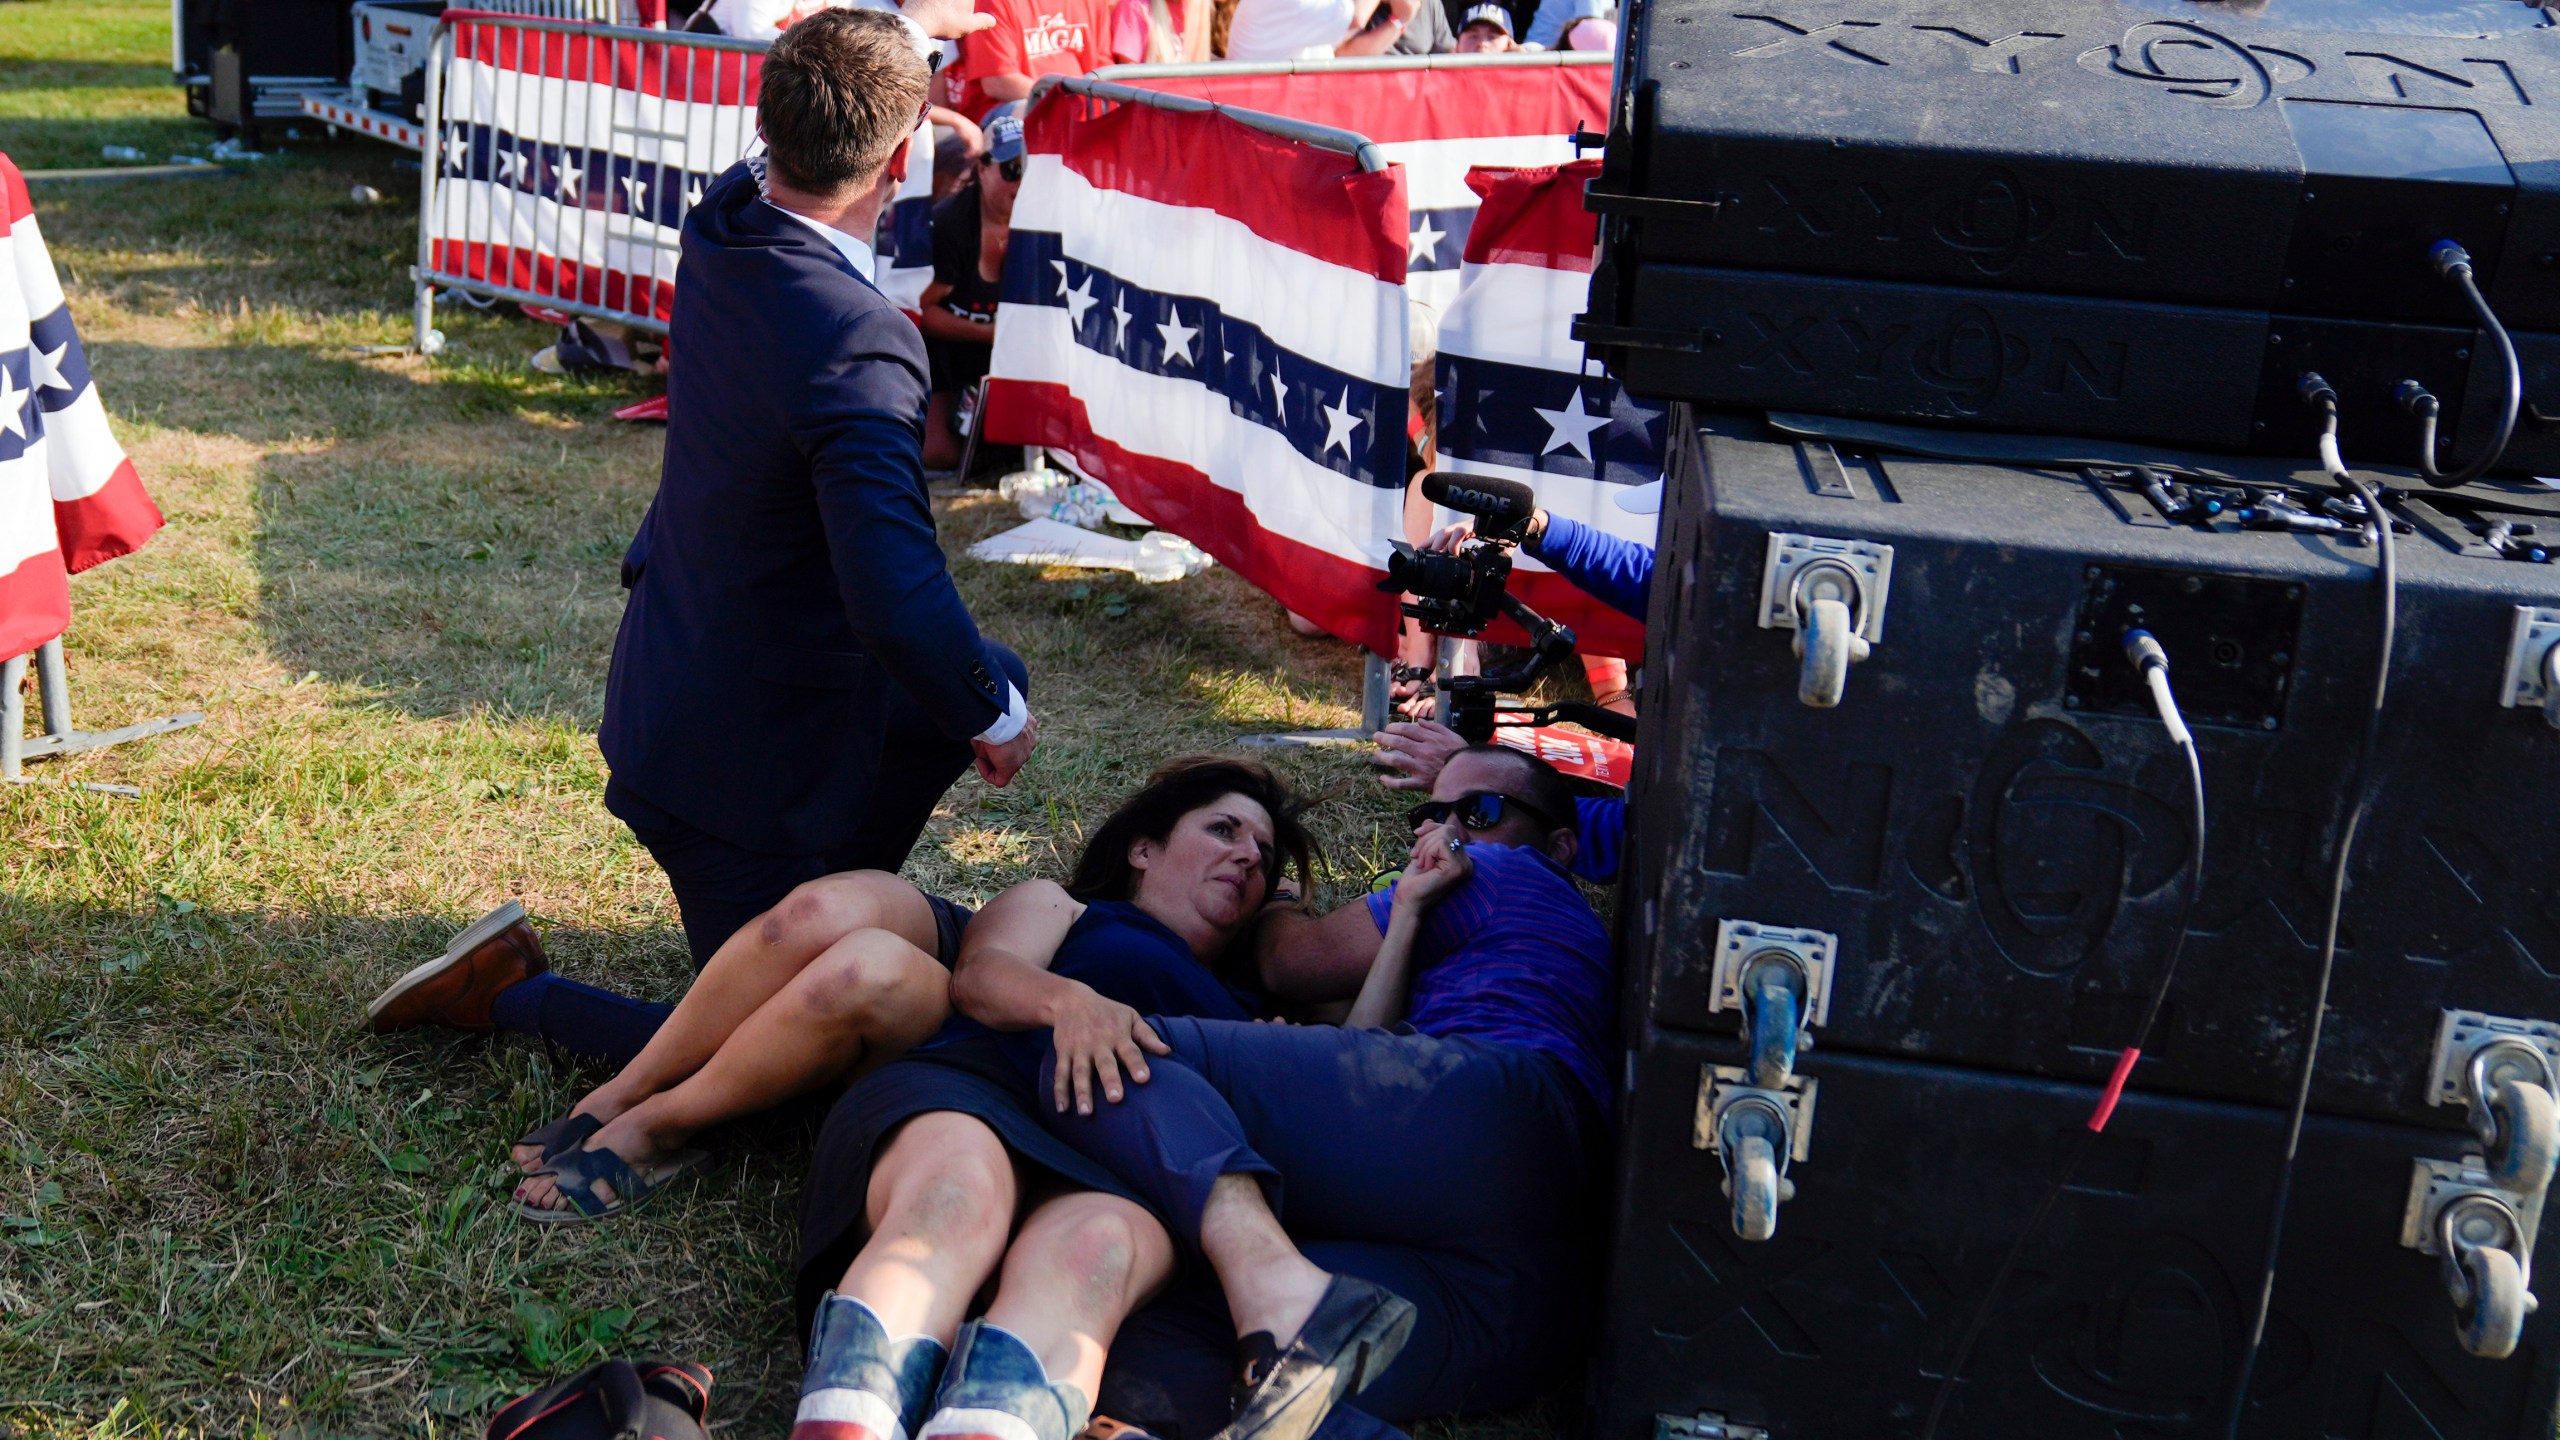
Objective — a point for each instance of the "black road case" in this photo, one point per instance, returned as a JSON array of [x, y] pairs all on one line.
[[2125, 1320], [1994, 825], [2130, 218], [1975, 862]]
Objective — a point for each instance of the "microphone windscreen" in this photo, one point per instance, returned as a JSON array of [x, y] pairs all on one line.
[[1492, 494]]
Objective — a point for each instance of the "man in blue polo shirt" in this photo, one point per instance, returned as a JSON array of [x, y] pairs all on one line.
[[1617, 573], [1441, 1143]]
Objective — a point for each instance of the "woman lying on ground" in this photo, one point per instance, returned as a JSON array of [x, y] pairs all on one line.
[[928, 1164], [1443, 1143], [845, 974]]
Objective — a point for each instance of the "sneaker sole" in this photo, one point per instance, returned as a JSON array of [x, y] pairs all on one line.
[[470, 939]]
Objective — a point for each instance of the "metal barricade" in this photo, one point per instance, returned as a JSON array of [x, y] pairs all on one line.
[[1099, 90], [1452, 112], [648, 13], [562, 155]]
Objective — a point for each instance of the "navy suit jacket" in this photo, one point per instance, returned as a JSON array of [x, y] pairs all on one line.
[[787, 574]]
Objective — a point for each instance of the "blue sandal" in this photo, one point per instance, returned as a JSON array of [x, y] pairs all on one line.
[[577, 1171], [566, 1133]]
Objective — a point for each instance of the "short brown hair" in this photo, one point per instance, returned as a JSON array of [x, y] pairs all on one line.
[[1540, 784], [841, 90]]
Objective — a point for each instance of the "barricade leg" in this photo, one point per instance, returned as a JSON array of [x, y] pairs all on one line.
[[53, 692], [422, 320], [13, 718], [1374, 679], [53, 688]]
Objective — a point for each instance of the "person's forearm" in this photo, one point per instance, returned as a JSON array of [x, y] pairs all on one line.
[[1388, 992], [940, 324], [1004, 86], [1311, 959], [1005, 993], [1618, 573], [1362, 38]]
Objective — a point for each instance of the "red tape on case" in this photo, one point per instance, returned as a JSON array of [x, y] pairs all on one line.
[[2115, 1088]]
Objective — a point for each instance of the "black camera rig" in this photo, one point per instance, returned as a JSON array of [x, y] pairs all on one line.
[[1460, 594]]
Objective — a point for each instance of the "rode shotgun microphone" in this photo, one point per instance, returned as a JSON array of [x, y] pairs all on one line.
[[1502, 507]]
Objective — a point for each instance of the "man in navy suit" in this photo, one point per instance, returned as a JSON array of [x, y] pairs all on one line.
[[796, 681]]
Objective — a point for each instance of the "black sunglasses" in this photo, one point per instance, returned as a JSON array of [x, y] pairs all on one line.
[[1011, 169], [1477, 810]]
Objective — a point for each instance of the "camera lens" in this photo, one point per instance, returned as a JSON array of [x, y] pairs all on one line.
[[1430, 573]]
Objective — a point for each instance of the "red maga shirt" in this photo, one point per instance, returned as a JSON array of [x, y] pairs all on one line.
[[1034, 38]]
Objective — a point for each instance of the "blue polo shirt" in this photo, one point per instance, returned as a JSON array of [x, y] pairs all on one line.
[[1516, 956]]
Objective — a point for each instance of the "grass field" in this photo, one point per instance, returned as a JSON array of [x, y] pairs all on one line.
[[390, 584]]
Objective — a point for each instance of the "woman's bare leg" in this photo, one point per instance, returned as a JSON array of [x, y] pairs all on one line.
[[866, 999], [941, 1203], [1081, 1264], [751, 969]]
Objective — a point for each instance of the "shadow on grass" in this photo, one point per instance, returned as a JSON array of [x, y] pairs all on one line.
[[448, 537]]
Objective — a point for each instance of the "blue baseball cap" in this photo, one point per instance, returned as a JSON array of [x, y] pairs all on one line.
[[1003, 129]]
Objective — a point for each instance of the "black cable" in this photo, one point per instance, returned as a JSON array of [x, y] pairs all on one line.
[[2088, 1135], [2389, 570], [2454, 263]]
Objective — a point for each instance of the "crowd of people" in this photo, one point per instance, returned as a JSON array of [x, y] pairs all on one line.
[[1163, 1149]]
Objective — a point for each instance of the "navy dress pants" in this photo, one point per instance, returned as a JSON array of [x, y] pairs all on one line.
[[1455, 1173], [721, 885]]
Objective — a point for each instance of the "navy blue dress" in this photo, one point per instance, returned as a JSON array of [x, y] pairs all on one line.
[[1118, 949]]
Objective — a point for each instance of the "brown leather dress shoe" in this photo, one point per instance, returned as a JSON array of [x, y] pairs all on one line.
[[455, 988]]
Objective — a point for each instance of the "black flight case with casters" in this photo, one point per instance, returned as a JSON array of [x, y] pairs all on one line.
[[1905, 788], [1912, 850], [2138, 219]]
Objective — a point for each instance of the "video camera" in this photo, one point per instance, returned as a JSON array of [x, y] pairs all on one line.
[[1461, 594]]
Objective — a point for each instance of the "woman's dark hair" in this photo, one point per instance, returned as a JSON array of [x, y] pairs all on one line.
[[1176, 789]]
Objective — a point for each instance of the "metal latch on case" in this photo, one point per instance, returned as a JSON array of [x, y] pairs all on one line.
[[2533, 662]]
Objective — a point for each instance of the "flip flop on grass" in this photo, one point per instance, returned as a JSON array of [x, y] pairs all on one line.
[[576, 1172], [560, 1136]]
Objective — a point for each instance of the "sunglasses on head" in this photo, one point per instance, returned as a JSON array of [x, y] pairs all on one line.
[[1476, 810]]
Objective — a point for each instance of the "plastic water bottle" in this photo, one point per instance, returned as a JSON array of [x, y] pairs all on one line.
[[120, 152], [1161, 557], [1030, 489]]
